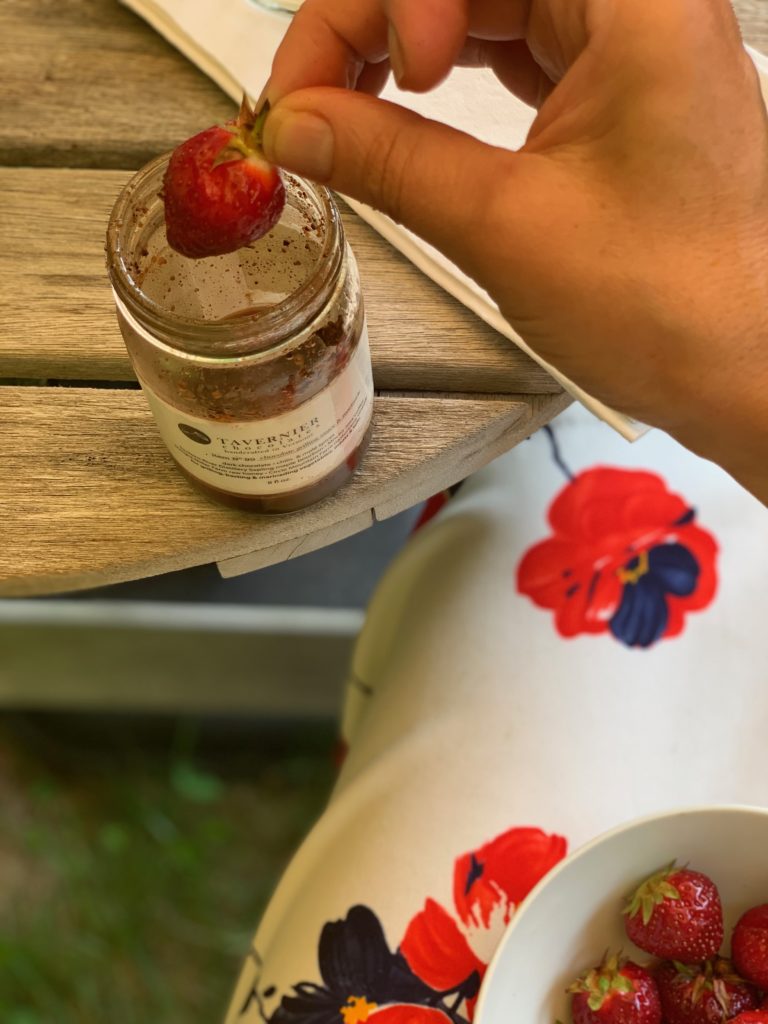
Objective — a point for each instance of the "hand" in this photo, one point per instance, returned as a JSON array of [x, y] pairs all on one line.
[[627, 241]]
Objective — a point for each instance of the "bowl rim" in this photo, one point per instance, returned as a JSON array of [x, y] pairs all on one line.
[[582, 851]]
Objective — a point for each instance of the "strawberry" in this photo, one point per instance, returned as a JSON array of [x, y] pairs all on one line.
[[709, 993], [749, 945], [752, 1017], [616, 992], [676, 915], [220, 192]]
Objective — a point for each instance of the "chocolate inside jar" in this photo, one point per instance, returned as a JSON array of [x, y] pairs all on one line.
[[232, 344], [253, 279]]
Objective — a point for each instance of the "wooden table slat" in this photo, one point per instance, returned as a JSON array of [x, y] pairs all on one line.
[[110, 89], [90, 494], [57, 316], [87, 84]]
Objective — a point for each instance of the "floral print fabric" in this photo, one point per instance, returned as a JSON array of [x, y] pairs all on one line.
[[626, 557], [532, 659], [435, 973]]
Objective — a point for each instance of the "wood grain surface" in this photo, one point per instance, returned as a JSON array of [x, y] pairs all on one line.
[[57, 316], [753, 18], [87, 84], [90, 494], [110, 89]]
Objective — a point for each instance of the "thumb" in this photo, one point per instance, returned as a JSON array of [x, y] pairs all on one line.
[[435, 180]]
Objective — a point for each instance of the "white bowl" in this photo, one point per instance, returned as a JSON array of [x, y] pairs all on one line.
[[573, 915]]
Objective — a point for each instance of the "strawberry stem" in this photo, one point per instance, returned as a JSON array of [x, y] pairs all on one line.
[[650, 893], [251, 123], [260, 121]]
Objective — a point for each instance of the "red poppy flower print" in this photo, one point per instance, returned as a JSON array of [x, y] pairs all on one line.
[[451, 952], [625, 556], [407, 1013]]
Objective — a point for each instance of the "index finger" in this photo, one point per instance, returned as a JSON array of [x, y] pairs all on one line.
[[333, 42], [329, 42]]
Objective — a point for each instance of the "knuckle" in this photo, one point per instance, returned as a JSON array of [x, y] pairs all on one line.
[[390, 172]]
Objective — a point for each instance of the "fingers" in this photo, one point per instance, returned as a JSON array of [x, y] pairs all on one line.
[[514, 66], [433, 179], [334, 42], [329, 42], [373, 78], [424, 39], [429, 35]]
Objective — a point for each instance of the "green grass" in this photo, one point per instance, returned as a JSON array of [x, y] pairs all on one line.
[[133, 871]]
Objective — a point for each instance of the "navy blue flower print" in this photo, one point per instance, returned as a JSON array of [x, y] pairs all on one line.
[[643, 615], [359, 974]]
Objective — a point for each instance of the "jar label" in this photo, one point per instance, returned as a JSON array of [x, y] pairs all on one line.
[[283, 453]]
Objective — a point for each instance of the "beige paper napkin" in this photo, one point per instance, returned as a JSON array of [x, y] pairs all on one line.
[[233, 42]]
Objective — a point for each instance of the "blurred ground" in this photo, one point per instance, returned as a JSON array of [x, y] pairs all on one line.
[[136, 855]]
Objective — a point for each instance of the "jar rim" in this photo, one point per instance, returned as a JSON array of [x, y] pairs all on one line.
[[236, 335]]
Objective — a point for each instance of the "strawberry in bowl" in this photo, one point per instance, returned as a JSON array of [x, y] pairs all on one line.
[[676, 914], [749, 945], [574, 915], [708, 993], [617, 992], [220, 192]]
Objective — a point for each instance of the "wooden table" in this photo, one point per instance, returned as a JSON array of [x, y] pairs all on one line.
[[88, 493]]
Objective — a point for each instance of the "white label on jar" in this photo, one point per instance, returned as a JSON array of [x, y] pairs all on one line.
[[283, 453]]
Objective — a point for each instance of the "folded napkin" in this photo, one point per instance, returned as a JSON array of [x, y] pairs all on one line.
[[233, 42]]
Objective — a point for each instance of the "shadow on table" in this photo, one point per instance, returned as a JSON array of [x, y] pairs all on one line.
[[342, 575], [273, 643]]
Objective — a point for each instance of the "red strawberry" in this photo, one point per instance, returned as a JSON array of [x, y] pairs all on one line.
[[676, 914], [615, 993], [752, 1017], [219, 191], [708, 993], [749, 945]]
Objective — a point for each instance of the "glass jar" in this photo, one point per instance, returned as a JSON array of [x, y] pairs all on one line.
[[255, 364]]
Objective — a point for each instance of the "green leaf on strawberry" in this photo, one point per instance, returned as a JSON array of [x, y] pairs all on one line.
[[219, 190]]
